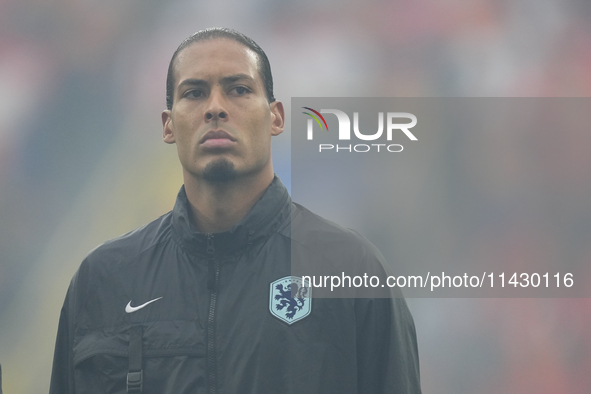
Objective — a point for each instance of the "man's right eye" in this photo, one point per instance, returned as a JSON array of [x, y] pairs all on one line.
[[193, 93]]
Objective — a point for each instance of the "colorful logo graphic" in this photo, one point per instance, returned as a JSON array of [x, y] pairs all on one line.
[[315, 118]]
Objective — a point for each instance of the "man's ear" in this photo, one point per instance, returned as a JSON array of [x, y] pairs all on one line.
[[167, 129], [277, 118]]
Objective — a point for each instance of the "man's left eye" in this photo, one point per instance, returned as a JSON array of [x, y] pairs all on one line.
[[240, 90]]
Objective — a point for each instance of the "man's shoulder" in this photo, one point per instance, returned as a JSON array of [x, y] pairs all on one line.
[[322, 249], [109, 265], [133, 243], [327, 237]]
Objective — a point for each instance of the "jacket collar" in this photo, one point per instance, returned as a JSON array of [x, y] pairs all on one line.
[[263, 219]]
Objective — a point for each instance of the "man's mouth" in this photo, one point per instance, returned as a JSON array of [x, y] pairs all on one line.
[[217, 139]]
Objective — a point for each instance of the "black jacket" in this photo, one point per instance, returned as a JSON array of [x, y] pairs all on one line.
[[215, 317]]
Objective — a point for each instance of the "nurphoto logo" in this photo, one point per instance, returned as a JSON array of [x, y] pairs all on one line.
[[344, 133]]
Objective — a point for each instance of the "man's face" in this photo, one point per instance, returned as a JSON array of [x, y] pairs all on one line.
[[221, 120]]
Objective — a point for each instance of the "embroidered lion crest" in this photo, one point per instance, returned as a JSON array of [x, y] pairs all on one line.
[[289, 300]]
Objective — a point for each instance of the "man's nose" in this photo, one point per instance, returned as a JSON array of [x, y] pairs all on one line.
[[216, 106]]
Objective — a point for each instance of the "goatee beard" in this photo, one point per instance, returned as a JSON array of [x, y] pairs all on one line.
[[218, 171]]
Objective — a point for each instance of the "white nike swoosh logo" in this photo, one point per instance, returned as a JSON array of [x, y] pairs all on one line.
[[131, 309]]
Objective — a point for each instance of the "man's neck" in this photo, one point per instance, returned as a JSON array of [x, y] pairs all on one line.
[[218, 206]]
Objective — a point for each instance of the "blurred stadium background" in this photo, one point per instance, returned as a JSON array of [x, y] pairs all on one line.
[[82, 85]]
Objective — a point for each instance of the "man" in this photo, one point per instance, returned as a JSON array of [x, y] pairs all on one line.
[[203, 300]]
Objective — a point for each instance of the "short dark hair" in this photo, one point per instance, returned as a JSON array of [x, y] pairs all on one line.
[[222, 32]]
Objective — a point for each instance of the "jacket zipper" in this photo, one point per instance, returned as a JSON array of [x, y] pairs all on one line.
[[213, 269]]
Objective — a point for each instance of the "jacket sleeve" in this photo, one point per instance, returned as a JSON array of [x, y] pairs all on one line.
[[387, 353], [62, 375]]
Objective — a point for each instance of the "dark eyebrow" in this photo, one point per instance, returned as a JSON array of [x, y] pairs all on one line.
[[192, 82], [237, 77], [225, 80]]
